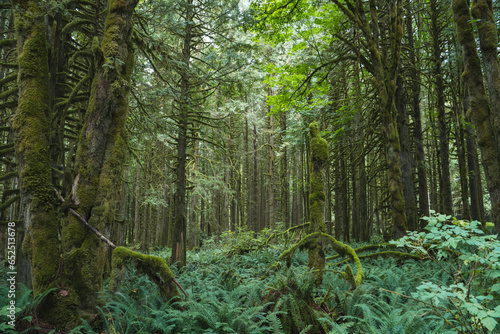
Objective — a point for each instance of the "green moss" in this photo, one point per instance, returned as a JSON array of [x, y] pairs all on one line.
[[61, 307], [155, 267], [100, 155], [31, 129], [319, 159], [349, 276], [386, 254], [311, 240], [366, 248]]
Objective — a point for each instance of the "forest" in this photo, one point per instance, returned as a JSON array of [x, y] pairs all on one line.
[[236, 166]]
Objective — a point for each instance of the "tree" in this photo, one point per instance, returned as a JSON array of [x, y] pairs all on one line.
[[319, 159], [485, 123], [76, 263]]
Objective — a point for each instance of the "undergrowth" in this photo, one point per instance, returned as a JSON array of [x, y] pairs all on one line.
[[233, 291]]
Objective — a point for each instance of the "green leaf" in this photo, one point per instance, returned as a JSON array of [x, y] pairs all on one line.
[[495, 287], [489, 323]]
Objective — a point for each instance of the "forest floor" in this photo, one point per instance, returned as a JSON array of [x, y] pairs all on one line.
[[231, 289]]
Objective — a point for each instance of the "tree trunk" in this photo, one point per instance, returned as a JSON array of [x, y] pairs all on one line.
[[319, 159], [475, 186], [405, 158], [482, 10], [462, 159], [32, 146], [283, 176], [254, 191], [444, 176], [137, 206], [179, 223], [480, 111], [423, 196], [101, 151]]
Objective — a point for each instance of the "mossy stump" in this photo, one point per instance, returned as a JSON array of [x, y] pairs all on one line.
[[153, 266]]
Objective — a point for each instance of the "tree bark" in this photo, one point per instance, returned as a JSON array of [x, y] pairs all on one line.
[[444, 176], [405, 157], [319, 159], [479, 107], [423, 196], [482, 10], [78, 259], [32, 147], [179, 223]]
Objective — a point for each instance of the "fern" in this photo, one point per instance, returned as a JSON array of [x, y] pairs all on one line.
[[227, 295], [374, 310]]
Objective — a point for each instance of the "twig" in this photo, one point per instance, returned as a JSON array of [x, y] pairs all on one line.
[[180, 287], [102, 237], [84, 222]]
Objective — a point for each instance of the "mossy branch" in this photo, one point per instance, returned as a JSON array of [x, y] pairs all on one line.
[[7, 79], [8, 192], [155, 267], [10, 92], [340, 247], [8, 105], [286, 232], [9, 43], [7, 151], [401, 255], [73, 25], [364, 249], [7, 203]]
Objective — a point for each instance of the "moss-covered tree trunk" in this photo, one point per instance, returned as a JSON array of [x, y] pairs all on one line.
[[319, 160], [423, 199], [405, 157], [444, 157], [101, 152], [482, 10], [384, 60], [32, 146], [479, 106]]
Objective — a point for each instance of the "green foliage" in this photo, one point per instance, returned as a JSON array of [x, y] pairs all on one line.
[[291, 296], [373, 308], [222, 300], [26, 307], [228, 295], [473, 299], [243, 241]]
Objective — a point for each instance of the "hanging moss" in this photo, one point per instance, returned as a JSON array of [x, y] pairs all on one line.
[[153, 266]]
